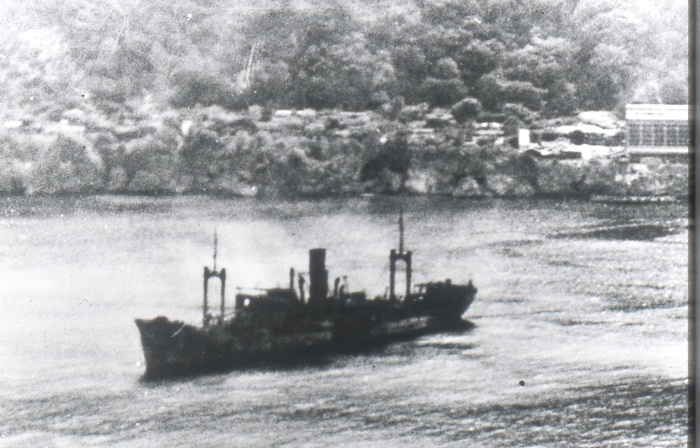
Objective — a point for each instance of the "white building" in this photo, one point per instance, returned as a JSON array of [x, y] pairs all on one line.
[[658, 130]]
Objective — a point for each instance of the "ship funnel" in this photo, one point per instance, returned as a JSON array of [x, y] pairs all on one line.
[[318, 289]]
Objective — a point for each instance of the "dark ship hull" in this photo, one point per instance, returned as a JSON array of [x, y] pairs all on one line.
[[173, 348], [282, 326]]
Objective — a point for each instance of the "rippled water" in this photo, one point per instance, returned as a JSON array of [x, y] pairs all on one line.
[[579, 338]]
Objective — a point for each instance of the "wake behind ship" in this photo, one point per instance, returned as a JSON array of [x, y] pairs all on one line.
[[282, 324]]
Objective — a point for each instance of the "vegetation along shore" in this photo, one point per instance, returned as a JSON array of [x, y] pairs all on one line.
[[296, 99]]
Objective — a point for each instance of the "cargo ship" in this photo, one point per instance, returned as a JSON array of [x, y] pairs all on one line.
[[283, 324]]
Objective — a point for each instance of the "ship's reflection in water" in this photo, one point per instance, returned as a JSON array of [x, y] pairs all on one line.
[[578, 338]]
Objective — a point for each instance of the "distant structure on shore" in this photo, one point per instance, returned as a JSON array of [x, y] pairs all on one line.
[[658, 130]]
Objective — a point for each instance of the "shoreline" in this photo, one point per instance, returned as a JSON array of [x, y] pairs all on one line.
[[583, 197], [322, 154]]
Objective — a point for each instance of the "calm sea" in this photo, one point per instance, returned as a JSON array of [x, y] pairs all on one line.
[[579, 337]]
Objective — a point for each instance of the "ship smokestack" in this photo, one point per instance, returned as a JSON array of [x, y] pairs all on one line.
[[318, 276]]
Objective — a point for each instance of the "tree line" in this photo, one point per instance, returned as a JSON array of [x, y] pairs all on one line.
[[96, 92], [535, 58]]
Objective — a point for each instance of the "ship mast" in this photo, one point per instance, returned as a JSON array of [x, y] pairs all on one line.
[[399, 256], [216, 246], [401, 231], [221, 275]]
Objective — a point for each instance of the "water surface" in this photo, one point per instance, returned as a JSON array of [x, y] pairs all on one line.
[[579, 338]]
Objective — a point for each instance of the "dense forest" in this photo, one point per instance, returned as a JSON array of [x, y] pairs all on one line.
[[100, 95]]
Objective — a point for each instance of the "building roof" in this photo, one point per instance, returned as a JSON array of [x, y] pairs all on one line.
[[659, 150], [657, 112]]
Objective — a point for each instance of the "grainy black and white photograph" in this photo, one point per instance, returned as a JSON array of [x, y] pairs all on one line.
[[360, 223]]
